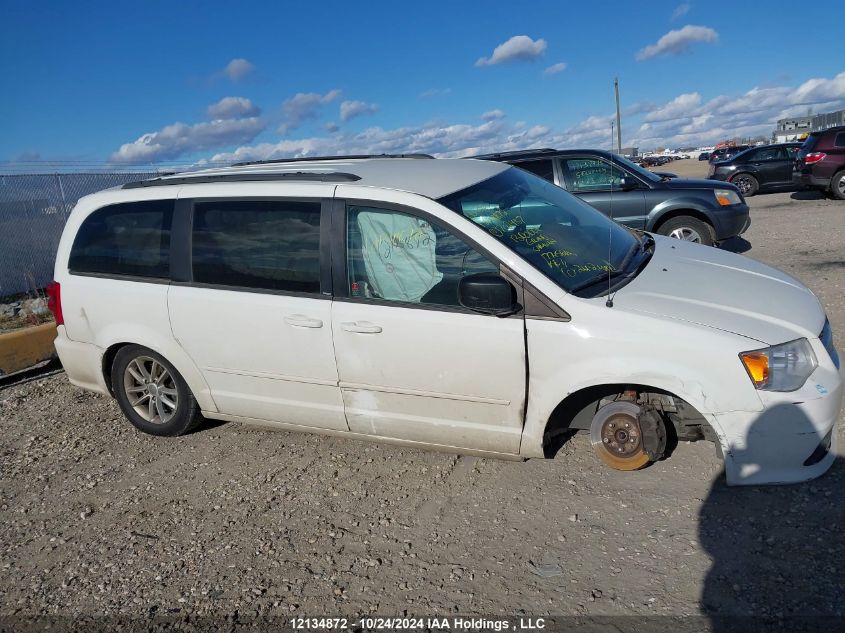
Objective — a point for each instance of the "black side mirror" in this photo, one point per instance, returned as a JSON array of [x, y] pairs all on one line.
[[487, 293], [628, 184]]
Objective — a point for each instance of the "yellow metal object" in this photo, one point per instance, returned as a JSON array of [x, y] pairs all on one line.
[[24, 348]]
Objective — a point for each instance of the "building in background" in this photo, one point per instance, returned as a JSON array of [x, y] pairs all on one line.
[[797, 128], [630, 152]]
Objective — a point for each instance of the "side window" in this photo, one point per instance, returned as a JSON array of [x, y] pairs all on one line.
[[792, 150], [591, 174], [839, 141], [271, 245], [125, 239], [399, 257], [768, 153], [543, 168]]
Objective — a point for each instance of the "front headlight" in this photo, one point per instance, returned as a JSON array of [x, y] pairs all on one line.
[[727, 197], [781, 367]]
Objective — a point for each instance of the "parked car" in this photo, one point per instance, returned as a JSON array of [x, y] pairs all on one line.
[[463, 305], [694, 210], [757, 169], [704, 156], [820, 163], [724, 153]]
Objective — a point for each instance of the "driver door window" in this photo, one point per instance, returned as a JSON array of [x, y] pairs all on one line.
[[589, 174], [393, 256]]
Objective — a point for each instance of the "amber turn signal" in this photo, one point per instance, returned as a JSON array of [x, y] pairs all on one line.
[[757, 366]]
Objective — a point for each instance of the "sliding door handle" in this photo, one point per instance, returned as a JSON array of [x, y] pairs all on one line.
[[300, 320]]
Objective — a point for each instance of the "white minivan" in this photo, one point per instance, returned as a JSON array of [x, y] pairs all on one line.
[[462, 305]]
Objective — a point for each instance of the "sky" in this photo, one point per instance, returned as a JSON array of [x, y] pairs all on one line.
[[124, 84]]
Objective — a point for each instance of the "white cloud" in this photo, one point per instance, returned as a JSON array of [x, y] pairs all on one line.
[[677, 42], [816, 90], [351, 109], [233, 108], [682, 105], [681, 10], [304, 106], [554, 69], [434, 92], [517, 48], [238, 69], [180, 139], [492, 115], [686, 121]]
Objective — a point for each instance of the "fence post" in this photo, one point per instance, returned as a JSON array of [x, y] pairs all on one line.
[[62, 191]]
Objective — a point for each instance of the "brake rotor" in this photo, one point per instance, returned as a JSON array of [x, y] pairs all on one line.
[[617, 437]]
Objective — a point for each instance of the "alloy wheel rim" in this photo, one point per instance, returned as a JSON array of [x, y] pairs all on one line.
[[687, 234], [841, 185], [151, 390], [743, 184]]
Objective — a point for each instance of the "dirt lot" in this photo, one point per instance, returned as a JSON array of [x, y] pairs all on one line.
[[96, 518]]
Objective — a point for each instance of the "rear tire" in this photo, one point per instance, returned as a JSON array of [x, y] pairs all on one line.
[[837, 185], [152, 394], [746, 183], [688, 228]]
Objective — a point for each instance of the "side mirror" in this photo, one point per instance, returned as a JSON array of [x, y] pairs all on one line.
[[487, 293], [628, 184]]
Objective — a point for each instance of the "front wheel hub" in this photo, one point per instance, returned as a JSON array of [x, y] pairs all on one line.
[[616, 436]]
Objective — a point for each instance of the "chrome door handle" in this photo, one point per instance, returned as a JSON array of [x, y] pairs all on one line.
[[361, 327], [300, 320]]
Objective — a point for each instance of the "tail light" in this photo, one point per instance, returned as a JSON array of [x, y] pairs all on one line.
[[54, 301], [815, 157]]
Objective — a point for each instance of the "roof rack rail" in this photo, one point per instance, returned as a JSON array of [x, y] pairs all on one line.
[[519, 152], [312, 176], [315, 158]]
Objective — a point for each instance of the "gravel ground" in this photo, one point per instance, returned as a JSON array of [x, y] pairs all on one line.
[[98, 519]]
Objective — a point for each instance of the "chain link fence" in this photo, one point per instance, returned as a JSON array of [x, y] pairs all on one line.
[[33, 211]]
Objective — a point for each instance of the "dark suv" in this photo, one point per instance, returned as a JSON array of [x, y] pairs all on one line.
[[820, 163], [759, 168], [703, 211]]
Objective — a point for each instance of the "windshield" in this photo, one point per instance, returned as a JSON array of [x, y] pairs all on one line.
[[561, 236], [640, 171]]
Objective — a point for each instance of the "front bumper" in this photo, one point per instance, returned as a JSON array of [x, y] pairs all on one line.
[[730, 221], [793, 439]]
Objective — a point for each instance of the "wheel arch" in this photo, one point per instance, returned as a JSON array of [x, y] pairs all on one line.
[[670, 214], [575, 411], [174, 355]]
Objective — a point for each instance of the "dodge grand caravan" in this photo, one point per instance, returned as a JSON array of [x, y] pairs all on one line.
[[463, 305]]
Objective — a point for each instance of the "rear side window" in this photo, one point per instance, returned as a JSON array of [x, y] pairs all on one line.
[[270, 245], [542, 168], [125, 239], [839, 141]]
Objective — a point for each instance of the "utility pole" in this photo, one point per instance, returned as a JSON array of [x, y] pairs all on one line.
[[618, 117]]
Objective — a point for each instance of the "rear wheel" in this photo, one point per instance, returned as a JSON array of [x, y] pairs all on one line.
[[688, 228], [746, 183], [837, 185], [152, 394]]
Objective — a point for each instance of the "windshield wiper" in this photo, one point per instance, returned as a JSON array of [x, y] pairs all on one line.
[[644, 245], [592, 281]]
